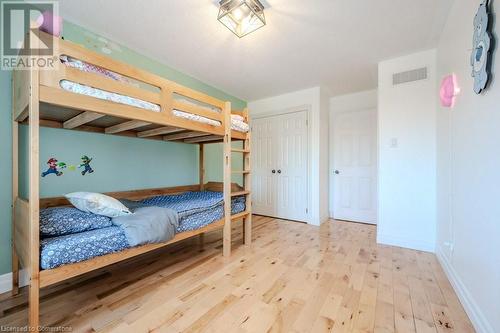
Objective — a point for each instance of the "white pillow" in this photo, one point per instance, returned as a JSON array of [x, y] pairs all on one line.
[[97, 203]]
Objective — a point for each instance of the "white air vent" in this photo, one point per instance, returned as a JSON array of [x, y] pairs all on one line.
[[409, 76]]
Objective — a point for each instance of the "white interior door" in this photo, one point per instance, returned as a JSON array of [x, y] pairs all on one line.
[[279, 150], [292, 166], [355, 166]]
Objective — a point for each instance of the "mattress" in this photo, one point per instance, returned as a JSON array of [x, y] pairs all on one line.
[[237, 122], [202, 211]]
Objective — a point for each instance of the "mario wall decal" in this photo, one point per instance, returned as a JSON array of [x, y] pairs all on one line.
[[53, 168]]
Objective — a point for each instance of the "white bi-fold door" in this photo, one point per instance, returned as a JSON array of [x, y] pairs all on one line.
[[279, 152], [355, 166]]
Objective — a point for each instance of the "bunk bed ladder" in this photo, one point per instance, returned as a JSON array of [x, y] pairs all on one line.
[[247, 185], [226, 233]]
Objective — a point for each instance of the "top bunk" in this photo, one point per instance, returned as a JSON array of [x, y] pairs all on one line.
[[91, 92]]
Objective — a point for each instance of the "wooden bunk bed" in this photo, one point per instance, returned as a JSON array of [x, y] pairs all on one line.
[[39, 100]]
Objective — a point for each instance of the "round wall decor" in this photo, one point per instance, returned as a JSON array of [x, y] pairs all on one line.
[[481, 55]]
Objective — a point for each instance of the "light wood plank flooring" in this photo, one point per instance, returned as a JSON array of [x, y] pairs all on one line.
[[294, 278]]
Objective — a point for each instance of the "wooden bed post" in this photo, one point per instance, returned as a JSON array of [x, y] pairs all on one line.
[[34, 199], [202, 166], [226, 243], [15, 194], [247, 183], [201, 237]]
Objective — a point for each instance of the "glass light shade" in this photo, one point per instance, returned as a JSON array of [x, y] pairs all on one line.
[[242, 16]]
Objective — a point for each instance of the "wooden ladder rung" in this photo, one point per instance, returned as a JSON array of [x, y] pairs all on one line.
[[241, 171], [237, 194], [239, 215], [236, 150]]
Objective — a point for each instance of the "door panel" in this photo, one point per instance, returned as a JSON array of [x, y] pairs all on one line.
[[287, 188], [292, 166], [263, 184], [355, 184]]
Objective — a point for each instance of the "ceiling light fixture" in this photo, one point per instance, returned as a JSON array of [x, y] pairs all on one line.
[[242, 16]]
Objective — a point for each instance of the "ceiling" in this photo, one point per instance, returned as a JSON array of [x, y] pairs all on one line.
[[333, 43]]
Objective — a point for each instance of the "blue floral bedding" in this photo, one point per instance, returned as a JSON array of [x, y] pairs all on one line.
[[59, 221], [204, 218], [187, 203], [69, 249], [196, 210]]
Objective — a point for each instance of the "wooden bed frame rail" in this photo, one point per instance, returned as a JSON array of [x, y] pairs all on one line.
[[33, 87]]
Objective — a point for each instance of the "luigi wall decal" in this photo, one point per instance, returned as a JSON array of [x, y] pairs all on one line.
[[481, 47], [55, 167], [86, 165]]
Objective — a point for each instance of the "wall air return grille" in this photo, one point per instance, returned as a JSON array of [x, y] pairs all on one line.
[[409, 76]]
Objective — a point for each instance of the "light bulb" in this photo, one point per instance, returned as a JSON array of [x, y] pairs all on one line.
[[237, 14]]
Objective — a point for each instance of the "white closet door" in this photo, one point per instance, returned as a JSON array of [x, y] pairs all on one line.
[[292, 166], [355, 173], [279, 166], [263, 161]]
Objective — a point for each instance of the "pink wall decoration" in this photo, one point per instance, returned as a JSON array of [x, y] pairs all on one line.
[[449, 90], [50, 23]]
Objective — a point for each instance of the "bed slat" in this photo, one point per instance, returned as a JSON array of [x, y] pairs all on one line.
[[184, 135], [204, 139], [159, 131], [126, 126], [82, 119]]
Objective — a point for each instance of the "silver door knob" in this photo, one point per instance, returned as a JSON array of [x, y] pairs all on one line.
[[337, 172]]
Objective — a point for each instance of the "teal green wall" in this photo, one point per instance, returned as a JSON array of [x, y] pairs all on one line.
[[120, 163], [5, 171], [214, 161]]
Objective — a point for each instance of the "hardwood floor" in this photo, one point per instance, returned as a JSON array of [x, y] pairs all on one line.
[[294, 278]]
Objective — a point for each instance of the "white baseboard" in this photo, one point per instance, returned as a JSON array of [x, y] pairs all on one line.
[[405, 242], [6, 281], [474, 312]]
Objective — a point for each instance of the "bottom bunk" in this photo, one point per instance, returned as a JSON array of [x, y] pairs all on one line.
[[72, 243], [195, 210]]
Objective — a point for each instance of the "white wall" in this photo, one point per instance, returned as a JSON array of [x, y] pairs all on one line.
[[469, 176], [407, 172], [314, 100], [346, 103], [324, 188]]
